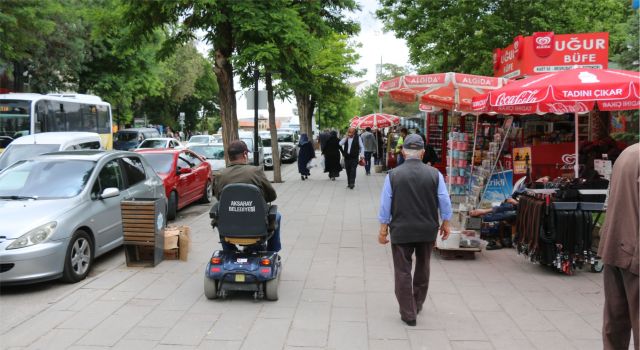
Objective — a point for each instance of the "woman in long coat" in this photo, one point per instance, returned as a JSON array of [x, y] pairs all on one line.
[[305, 154], [332, 156]]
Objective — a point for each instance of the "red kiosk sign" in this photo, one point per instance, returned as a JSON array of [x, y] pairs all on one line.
[[548, 52]]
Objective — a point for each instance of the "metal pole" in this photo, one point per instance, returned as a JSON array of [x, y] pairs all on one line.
[[256, 156], [576, 166], [380, 104]]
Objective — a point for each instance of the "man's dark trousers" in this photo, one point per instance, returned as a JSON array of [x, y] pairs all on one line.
[[350, 166], [411, 292], [367, 159]]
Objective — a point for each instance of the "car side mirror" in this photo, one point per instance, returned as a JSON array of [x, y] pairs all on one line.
[[110, 192], [184, 171]]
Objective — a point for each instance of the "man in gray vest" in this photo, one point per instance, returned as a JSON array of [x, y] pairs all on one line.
[[412, 194]]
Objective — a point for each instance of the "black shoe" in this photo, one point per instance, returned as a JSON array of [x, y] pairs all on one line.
[[302, 177], [411, 323], [352, 186], [333, 179]]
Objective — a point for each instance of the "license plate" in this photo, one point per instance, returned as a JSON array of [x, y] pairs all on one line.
[[239, 277], [242, 260]]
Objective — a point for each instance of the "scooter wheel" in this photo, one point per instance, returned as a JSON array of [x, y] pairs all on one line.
[[210, 288], [597, 267], [271, 289]]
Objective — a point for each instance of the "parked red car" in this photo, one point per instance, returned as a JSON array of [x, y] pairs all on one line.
[[186, 176]]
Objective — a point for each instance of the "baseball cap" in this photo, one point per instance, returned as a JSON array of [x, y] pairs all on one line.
[[414, 142]]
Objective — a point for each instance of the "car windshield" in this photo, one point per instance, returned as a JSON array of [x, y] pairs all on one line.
[[199, 139], [285, 138], [209, 152], [126, 136], [160, 162], [21, 152], [153, 144], [45, 179], [266, 142]]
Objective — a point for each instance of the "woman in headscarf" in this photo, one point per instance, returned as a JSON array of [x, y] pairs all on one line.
[[332, 156], [305, 154]]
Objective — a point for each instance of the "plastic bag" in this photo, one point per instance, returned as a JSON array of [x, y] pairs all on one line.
[[311, 164], [322, 162]]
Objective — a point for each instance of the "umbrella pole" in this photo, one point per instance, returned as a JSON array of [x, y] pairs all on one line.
[[576, 166], [379, 104]]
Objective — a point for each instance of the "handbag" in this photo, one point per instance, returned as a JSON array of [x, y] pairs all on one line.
[[361, 162]]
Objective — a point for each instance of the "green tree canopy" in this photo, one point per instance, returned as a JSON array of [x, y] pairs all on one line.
[[452, 35]]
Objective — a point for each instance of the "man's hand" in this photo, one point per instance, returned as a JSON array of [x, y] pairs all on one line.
[[445, 230], [384, 232]]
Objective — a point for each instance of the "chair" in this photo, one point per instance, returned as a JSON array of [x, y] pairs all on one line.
[[243, 217]]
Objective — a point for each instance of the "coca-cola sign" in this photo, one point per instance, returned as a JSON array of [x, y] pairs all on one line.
[[543, 43], [524, 97]]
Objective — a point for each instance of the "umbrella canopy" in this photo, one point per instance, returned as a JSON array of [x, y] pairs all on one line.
[[451, 91], [569, 91], [376, 120]]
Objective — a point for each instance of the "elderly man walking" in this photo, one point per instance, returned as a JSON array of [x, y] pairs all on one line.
[[619, 251], [409, 203]]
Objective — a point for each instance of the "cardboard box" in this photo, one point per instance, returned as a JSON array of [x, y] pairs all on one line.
[[177, 242]]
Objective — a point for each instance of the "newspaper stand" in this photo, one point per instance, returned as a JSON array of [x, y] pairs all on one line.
[[143, 224]]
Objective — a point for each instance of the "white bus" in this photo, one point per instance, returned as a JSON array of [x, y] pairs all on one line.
[[24, 114]]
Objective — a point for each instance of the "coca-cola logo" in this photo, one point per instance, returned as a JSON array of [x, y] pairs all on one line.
[[561, 108], [524, 97], [569, 159], [543, 43]]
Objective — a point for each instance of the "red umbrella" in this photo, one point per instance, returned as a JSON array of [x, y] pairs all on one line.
[[376, 120], [570, 91], [452, 91], [575, 90]]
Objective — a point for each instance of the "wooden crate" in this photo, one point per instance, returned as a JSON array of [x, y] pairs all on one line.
[[143, 225], [458, 254]]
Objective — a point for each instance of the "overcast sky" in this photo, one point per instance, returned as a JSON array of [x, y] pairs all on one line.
[[377, 45]]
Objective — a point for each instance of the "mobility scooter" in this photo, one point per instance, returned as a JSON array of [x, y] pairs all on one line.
[[244, 220]]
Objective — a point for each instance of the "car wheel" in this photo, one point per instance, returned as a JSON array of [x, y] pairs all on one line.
[[210, 288], [79, 257], [208, 193], [173, 206]]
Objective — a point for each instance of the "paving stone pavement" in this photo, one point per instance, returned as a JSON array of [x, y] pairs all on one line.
[[336, 292]]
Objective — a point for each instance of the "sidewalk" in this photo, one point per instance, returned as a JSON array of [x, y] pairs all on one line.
[[336, 292]]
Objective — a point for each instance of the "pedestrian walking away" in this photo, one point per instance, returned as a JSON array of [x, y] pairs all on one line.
[[305, 154], [370, 147], [398, 150], [239, 171], [379, 155], [618, 249], [331, 153], [352, 151], [411, 197]]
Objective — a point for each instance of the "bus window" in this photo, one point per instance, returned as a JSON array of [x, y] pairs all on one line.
[[90, 118], [104, 120], [45, 120], [60, 118], [74, 117], [15, 118]]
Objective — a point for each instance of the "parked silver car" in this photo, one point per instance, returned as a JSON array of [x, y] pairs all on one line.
[[61, 210]]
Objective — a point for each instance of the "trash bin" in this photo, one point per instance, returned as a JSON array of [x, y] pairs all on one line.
[[143, 223]]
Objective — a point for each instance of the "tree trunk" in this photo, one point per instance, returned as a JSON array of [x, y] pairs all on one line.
[[275, 149], [227, 95], [305, 111]]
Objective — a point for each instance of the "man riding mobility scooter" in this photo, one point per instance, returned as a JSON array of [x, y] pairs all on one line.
[[243, 219]]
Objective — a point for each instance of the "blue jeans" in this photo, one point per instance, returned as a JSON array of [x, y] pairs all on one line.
[[367, 162], [399, 159], [273, 244], [505, 211]]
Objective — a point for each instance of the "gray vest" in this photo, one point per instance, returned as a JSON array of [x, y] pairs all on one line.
[[414, 204]]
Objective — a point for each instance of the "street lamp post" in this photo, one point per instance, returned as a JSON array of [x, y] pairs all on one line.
[[256, 156]]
